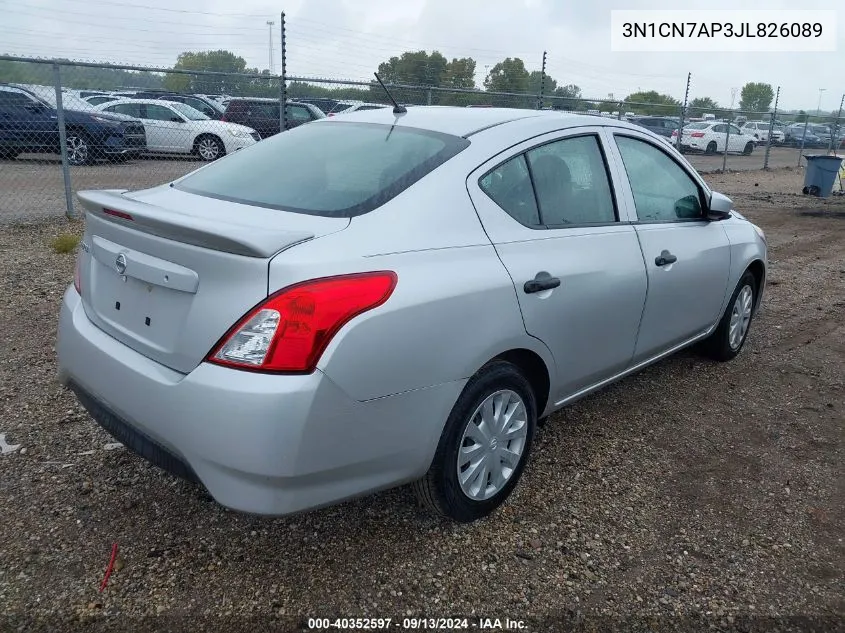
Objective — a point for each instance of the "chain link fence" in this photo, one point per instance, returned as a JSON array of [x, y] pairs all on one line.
[[69, 126]]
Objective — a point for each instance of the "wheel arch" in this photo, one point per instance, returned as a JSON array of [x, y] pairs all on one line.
[[535, 370]]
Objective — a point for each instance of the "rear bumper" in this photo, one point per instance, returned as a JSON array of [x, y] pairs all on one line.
[[259, 443]]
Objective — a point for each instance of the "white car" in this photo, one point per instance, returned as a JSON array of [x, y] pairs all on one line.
[[345, 107], [760, 131], [180, 129], [710, 137]]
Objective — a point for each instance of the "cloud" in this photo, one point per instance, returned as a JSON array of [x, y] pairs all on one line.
[[348, 38]]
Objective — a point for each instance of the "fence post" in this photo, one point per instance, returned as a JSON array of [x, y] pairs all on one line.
[[283, 88], [542, 83], [683, 112], [428, 97], [835, 135], [727, 142], [771, 130], [803, 136], [60, 120]]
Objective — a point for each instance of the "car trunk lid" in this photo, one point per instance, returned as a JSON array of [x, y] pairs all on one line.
[[168, 272]]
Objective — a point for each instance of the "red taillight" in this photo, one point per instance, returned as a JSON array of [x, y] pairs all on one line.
[[697, 135], [290, 330]]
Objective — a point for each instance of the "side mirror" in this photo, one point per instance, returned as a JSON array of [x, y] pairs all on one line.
[[719, 207]]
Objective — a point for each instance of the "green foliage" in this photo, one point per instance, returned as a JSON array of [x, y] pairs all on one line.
[[508, 75], [224, 62], [652, 102], [756, 97], [77, 76], [702, 105], [65, 243]]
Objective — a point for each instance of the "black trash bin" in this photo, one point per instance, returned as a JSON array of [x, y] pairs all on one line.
[[821, 174]]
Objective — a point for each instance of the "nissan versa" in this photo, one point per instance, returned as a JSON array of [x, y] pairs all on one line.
[[395, 296]]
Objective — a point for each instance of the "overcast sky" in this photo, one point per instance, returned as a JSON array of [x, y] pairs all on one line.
[[348, 39]]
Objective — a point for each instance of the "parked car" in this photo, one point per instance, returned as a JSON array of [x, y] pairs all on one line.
[[29, 123], [209, 107], [308, 320], [324, 103], [760, 131], [661, 125], [95, 100], [347, 107], [711, 136], [265, 114], [799, 134], [180, 129]]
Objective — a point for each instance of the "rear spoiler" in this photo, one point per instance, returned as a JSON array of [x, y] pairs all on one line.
[[250, 241]]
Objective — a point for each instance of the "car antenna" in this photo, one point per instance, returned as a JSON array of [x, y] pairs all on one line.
[[397, 109]]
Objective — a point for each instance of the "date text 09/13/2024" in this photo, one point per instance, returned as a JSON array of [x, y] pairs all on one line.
[[417, 623]]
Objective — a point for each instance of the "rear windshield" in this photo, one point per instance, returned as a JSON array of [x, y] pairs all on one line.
[[698, 126], [331, 169]]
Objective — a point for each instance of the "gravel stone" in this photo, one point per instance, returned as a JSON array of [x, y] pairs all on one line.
[[663, 494]]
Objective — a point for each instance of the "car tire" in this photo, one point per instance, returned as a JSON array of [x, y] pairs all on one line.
[[711, 148], [749, 147], [209, 148], [729, 336], [490, 479], [79, 150]]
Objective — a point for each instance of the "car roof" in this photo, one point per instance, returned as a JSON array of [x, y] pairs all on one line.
[[147, 101], [464, 122]]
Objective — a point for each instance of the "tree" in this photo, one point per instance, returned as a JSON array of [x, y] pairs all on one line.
[[652, 102], [702, 105], [459, 73], [756, 97], [534, 80], [508, 75], [801, 116], [215, 61], [416, 68]]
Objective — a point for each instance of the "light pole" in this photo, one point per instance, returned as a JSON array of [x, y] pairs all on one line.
[[819, 107], [270, 23]]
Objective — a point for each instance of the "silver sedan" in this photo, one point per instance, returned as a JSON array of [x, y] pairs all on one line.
[[385, 298]]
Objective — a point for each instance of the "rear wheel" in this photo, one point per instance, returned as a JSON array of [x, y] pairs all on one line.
[[711, 148], [209, 147], [749, 147], [484, 446]]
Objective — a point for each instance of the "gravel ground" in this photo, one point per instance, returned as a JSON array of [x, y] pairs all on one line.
[[688, 496]]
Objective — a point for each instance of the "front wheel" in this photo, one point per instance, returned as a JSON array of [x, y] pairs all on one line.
[[78, 148], [484, 446], [210, 148], [749, 147], [729, 336]]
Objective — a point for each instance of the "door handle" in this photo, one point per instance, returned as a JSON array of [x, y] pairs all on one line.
[[664, 259], [542, 281]]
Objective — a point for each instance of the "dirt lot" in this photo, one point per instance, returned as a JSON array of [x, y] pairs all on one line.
[[693, 494], [32, 186]]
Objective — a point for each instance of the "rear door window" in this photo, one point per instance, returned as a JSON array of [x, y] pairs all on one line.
[[335, 169]]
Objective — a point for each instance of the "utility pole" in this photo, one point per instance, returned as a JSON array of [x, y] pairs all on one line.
[[270, 23], [819, 107]]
